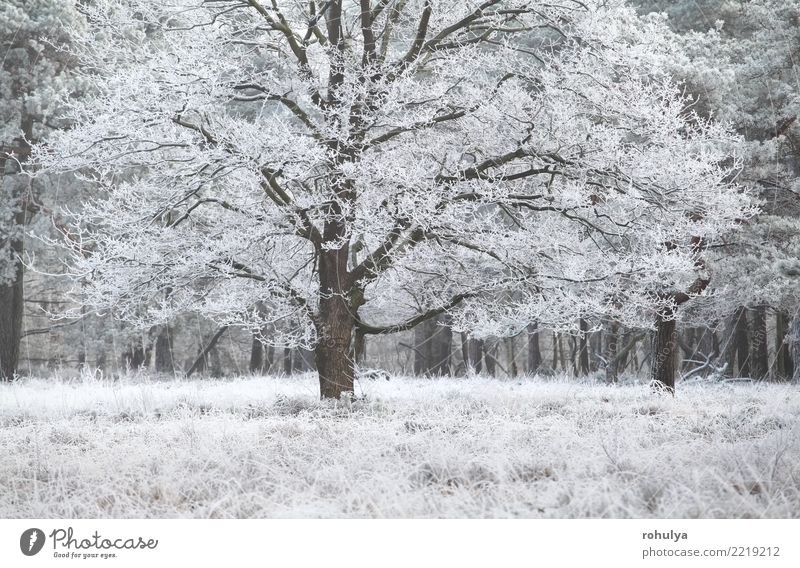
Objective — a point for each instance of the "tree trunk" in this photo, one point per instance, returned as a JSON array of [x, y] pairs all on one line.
[[442, 348], [336, 321], [759, 358], [11, 303], [727, 354], [476, 355], [304, 360], [201, 361], [583, 348], [288, 363], [136, 356], [556, 352], [423, 348], [662, 366], [562, 354], [256, 356], [534, 350], [688, 347], [513, 370], [708, 347], [742, 343], [465, 351], [783, 360], [12, 190], [490, 356], [360, 348], [611, 349], [163, 360], [794, 346]]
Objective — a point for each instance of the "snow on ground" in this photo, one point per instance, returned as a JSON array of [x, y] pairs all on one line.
[[266, 447]]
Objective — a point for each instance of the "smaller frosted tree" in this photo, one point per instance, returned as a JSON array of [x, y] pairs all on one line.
[[740, 62]]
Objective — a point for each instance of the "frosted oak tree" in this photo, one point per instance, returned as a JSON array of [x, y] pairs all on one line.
[[339, 168]]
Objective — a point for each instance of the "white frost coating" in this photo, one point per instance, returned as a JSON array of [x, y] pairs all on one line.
[[415, 448], [551, 173]]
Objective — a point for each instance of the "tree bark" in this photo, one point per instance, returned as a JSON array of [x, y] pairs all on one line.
[[759, 358], [611, 349], [360, 348], [556, 352], [442, 349], [12, 191], [336, 321], [163, 360], [742, 343], [423, 348], [728, 350], [288, 362], [534, 350], [583, 348], [513, 370], [11, 304], [465, 351], [662, 367], [794, 346], [200, 361], [475, 351], [256, 356], [783, 360]]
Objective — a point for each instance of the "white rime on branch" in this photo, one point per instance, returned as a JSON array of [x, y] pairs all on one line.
[[505, 161]]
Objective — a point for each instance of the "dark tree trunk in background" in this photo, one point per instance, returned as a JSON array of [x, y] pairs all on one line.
[[513, 370], [11, 304], [423, 348], [662, 365], [136, 357], [359, 348], [288, 363], [256, 356], [573, 354], [202, 360], [687, 346], [475, 355], [13, 188], [433, 347], [610, 351], [465, 351], [304, 360], [555, 352], [164, 361], [442, 350], [622, 358], [534, 351], [583, 348], [595, 349], [783, 360], [269, 358], [742, 343], [794, 346], [708, 346], [728, 351], [759, 358], [489, 348]]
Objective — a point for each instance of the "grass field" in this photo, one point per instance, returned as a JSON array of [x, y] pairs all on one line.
[[266, 447]]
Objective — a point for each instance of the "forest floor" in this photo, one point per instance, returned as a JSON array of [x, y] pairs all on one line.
[[266, 447]]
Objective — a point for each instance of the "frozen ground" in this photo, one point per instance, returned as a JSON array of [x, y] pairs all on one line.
[[413, 448]]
